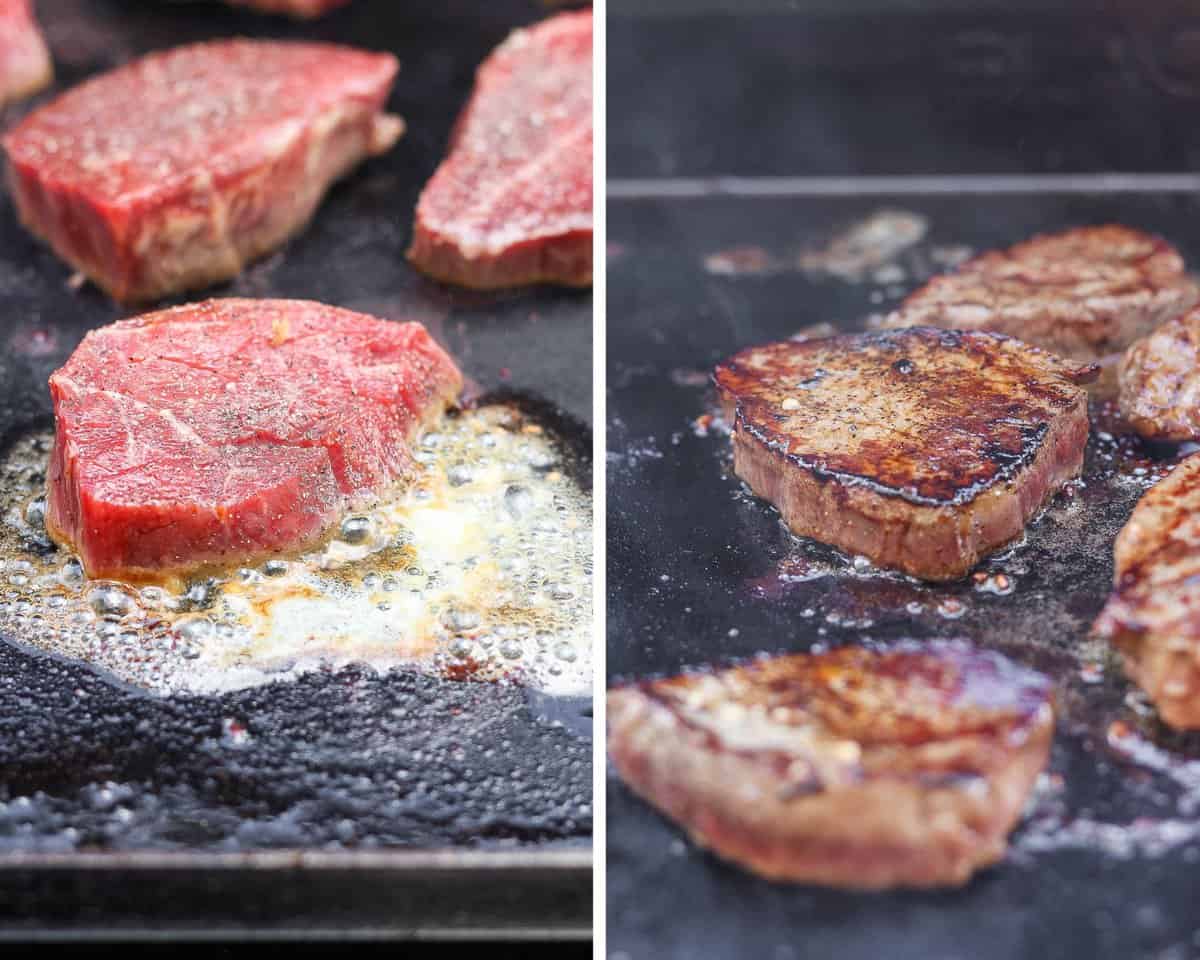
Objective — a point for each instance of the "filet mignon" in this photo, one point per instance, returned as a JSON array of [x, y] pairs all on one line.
[[230, 430], [1159, 379], [1085, 293], [921, 449], [173, 171], [512, 203], [854, 768], [1153, 615], [24, 60]]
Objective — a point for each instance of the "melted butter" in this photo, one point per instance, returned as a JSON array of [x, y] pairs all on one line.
[[480, 567]]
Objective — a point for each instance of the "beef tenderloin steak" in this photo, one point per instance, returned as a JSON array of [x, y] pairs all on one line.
[[228, 431], [512, 202], [854, 768], [921, 449], [174, 171]]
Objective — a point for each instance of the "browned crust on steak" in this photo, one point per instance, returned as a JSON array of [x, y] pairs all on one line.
[[1159, 380], [1153, 614], [1083, 293], [853, 768], [921, 449]]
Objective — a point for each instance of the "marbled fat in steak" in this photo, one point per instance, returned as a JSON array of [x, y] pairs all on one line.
[[231, 430], [174, 171]]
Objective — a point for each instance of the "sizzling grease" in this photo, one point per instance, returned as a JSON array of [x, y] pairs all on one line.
[[481, 567]]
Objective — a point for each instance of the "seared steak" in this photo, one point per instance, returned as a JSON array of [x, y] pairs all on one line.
[[1159, 380], [853, 768], [231, 430], [921, 449], [512, 203], [172, 172], [1085, 293], [1153, 615], [24, 60]]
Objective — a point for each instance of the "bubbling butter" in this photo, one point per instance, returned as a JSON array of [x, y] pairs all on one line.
[[480, 568]]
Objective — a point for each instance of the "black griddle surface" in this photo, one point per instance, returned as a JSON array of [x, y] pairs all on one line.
[[95, 778], [1105, 866], [836, 87]]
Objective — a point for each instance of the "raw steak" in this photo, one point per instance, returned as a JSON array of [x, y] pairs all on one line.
[[1159, 379], [304, 9], [230, 148], [1086, 293], [1153, 615], [512, 203], [24, 60], [854, 768], [921, 449], [230, 430]]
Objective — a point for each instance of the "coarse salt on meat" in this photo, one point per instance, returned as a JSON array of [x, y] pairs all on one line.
[[512, 203], [229, 430], [174, 171]]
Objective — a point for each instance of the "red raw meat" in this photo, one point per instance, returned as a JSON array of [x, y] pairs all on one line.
[[24, 60], [172, 172], [230, 430], [305, 9], [512, 203]]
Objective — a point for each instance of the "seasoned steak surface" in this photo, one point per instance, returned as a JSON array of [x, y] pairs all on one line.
[[230, 149], [920, 448], [854, 768], [1159, 379], [512, 203], [1085, 293], [231, 430], [1153, 615]]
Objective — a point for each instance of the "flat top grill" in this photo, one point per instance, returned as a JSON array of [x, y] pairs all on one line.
[[386, 804], [705, 259]]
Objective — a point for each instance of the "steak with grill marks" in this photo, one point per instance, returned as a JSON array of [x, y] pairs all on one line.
[[1159, 379], [232, 430], [1085, 293], [921, 449], [854, 768], [1153, 615], [174, 171], [512, 203]]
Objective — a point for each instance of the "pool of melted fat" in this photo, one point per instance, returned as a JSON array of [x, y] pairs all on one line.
[[480, 568]]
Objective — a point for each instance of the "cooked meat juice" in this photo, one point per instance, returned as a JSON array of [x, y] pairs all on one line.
[[480, 567]]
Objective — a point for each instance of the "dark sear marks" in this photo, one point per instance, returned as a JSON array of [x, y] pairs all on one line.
[[921, 449], [854, 768], [1159, 379], [1084, 293], [1153, 615]]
